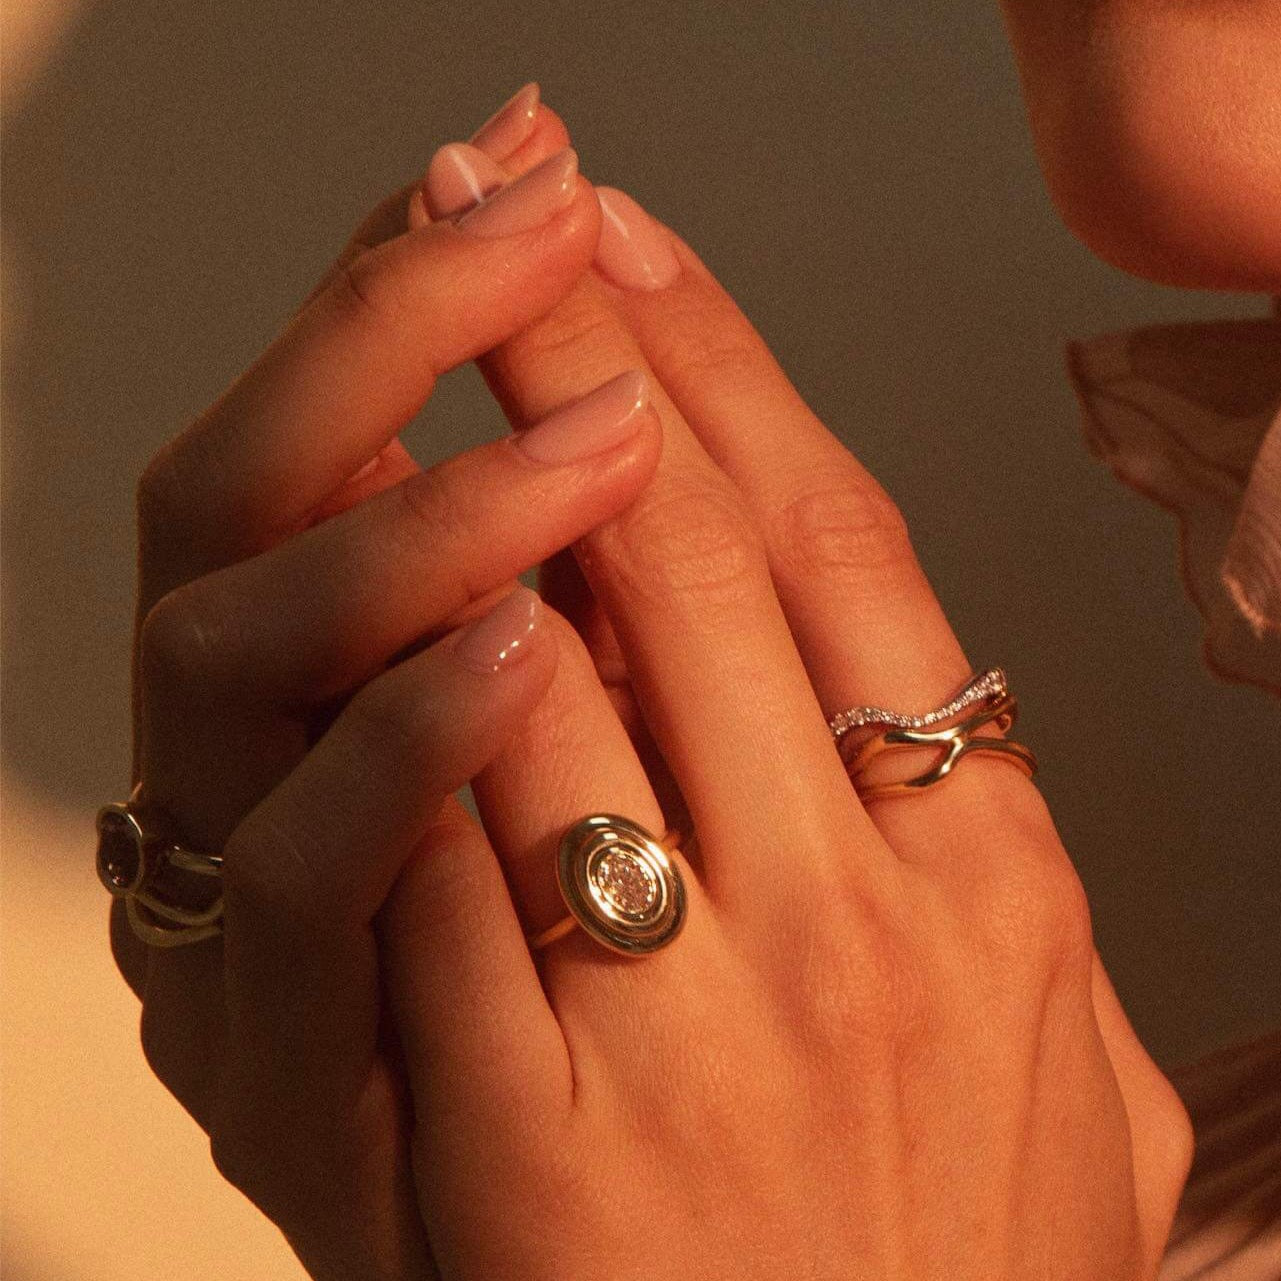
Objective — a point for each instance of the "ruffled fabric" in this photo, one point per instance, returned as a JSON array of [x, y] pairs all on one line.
[[1190, 416], [1229, 1222]]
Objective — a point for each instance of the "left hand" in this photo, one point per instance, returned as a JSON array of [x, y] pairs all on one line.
[[884, 1044]]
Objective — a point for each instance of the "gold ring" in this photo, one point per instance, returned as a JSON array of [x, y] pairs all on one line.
[[139, 861], [954, 743], [619, 884]]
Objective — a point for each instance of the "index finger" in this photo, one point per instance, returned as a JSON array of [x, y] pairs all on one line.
[[353, 368]]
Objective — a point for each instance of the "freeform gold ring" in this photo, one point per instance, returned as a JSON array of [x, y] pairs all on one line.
[[173, 895], [620, 885], [953, 744]]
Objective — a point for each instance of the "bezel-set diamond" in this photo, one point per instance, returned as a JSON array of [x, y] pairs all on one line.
[[620, 885]]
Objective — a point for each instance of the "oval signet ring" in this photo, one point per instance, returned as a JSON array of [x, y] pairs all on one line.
[[620, 884]]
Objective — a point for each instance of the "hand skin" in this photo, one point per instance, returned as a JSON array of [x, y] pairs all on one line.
[[902, 1058], [897, 1016], [1158, 124], [307, 698]]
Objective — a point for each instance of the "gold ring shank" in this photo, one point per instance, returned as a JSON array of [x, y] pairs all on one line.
[[953, 743]]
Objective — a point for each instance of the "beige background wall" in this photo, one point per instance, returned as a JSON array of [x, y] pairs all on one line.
[[860, 176]]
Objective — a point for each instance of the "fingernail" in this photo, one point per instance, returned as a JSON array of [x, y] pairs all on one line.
[[510, 125], [501, 637], [634, 251], [459, 178], [600, 420], [530, 201]]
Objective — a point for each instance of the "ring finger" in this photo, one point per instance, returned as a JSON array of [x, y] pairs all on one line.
[[867, 624]]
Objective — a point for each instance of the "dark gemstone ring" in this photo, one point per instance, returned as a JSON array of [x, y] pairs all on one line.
[[173, 894]]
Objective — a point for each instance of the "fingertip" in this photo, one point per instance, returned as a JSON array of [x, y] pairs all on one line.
[[548, 136]]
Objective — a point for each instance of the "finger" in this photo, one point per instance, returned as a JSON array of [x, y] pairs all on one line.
[[307, 872], [385, 222], [391, 571], [232, 662], [561, 581], [866, 622], [353, 368], [569, 759], [683, 579]]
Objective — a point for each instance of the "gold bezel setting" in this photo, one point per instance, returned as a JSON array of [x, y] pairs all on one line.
[[620, 884]]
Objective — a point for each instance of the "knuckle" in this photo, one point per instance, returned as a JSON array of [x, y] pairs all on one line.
[[840, 525], [395, 720], [439, 505], [173, 499], [365, 289], [157, 1043], [270, 873], [857, 975], [1175, 1126], [1035, 913], [231, 1158], [436, 886], [153, 493], [254, 1157], [698, 544], [710, 349], [578, 333]]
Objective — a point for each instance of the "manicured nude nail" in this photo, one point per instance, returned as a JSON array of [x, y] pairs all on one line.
[[510, 125], [417, 216], [530, 201], [459, 178], [634, 251], [501, 637], [599, 421]]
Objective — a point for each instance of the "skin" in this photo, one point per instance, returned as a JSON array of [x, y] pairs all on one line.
[[901, 1058], [1158, 124], [543, 1143]]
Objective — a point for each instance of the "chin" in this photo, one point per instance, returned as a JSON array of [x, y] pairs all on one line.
[[1158, 126]]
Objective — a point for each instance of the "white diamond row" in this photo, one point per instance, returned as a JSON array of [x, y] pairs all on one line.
[[989, 684]]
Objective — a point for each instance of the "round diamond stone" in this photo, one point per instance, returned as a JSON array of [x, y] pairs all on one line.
[[626, 881]]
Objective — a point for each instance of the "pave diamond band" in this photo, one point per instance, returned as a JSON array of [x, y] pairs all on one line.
[[988, 686]]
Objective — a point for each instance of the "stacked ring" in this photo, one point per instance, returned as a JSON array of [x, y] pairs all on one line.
[[986, 692]]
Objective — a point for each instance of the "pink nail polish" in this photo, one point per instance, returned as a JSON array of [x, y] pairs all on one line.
[[634, 251], [530, 201], [500, 638], [459, 178], [510, 125], [599, 421]]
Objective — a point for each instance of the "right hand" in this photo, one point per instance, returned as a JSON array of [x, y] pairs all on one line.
[[299, 574]]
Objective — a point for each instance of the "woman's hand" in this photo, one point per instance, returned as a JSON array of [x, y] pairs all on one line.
[[299, 572], [884, 1044]]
